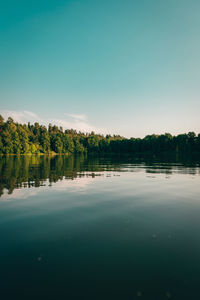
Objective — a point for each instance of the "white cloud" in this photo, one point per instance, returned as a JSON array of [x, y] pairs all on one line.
[[79, 122], [77, 117], [20, 116], [79, 125]]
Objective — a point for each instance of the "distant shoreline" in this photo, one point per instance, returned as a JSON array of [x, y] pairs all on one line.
[[36, 139]]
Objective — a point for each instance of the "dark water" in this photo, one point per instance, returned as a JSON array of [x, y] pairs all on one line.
[[99, 228]]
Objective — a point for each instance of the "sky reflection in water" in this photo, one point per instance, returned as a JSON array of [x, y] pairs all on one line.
[[99, 228]]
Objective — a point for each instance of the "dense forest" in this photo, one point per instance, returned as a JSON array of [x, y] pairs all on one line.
[[37, 139]]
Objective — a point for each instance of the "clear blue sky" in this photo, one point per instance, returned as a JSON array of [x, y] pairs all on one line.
[[130, 67]]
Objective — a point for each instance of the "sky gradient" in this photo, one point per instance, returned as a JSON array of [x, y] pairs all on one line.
[[129, 67]]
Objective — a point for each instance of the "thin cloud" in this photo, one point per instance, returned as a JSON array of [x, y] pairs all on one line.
[[72, 121], [79, 125], [77, 117], [20, 116]]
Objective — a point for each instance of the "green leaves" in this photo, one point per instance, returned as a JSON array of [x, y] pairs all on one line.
[[34, 139]]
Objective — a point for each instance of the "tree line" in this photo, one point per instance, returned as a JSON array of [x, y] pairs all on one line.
[[34, 138]]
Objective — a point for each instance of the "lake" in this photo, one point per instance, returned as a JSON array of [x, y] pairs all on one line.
[[99, 228]]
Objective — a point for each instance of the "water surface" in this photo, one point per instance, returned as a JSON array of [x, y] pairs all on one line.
[[99, 228]]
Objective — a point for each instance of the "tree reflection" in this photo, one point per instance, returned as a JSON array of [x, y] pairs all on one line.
[[33, 171]]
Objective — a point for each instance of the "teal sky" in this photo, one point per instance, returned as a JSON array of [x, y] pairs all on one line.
[[130, 67]]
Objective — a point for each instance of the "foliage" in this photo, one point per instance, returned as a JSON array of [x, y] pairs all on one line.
[[34, 139]]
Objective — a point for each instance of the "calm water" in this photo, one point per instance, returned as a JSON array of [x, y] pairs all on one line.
[[99, 228]]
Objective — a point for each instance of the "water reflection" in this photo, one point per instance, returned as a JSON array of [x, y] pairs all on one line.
[[99, 228], [35, 171]]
